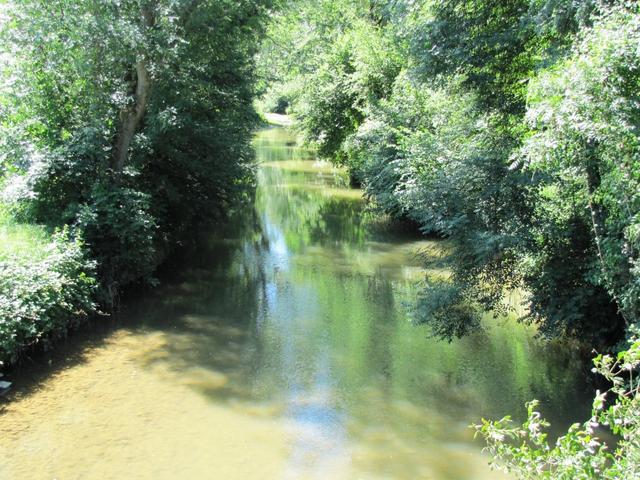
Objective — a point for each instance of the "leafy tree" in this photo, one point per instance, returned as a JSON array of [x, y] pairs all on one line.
[[585, 117], [129, 120], [338, 61], [469, 119], [495, 45]]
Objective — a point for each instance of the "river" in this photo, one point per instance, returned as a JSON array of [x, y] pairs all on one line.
[[281, 348]]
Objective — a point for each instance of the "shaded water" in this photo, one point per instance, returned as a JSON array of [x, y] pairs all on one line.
[[280, 349]]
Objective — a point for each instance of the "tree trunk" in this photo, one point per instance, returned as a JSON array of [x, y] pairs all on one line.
[[131, 116], [598, 220]]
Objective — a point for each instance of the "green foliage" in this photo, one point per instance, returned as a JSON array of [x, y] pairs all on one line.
[[74, 83], [585, 115], [495, 45], [127, 123], [332, 61], [329, 111], [43, 297], [415, 137], [508, 127], [558, 268], [430, 155], [47, 285], [484, 40], [581, 453], [120, 230]]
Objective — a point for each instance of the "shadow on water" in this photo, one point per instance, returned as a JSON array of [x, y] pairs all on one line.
[[183, 308], [31, 374]]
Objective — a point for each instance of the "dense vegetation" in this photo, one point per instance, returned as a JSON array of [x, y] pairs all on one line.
[[124, 124], [47, 286], [511, 129]]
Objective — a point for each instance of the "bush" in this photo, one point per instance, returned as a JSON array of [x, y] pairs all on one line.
[[580, 454], [41, 299], [120, 234], [411, 148], [584, 115]]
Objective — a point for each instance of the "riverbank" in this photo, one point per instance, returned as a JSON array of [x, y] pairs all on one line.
[[127, 154], [277, 119], [47, 286]]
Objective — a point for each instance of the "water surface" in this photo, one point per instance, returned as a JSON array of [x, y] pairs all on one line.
[[280, 349]]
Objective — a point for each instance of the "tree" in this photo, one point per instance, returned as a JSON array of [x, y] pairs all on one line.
[[130, 120]]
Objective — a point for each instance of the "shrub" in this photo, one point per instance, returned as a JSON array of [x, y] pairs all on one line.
[[584, 115], [41, 299], [580, 454], [120, 234]]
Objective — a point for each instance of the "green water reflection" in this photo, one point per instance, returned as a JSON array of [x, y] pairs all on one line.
[[296, 315]]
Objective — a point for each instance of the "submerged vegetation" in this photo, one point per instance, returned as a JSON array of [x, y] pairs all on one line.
[[509, 128]]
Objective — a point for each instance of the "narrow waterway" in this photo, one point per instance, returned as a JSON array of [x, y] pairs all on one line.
[[280, 349]]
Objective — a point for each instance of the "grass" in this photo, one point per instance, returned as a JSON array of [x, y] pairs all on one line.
[[21, 241]]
